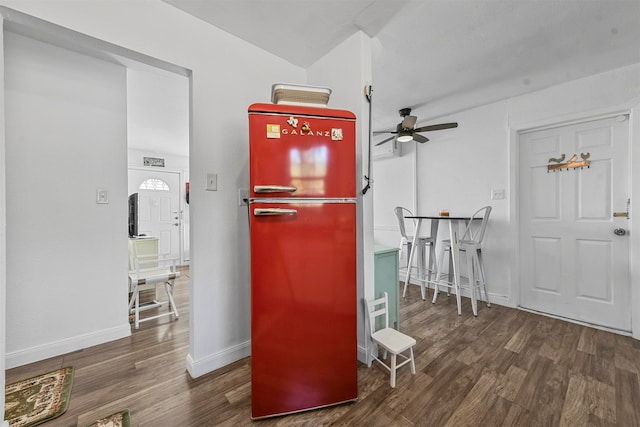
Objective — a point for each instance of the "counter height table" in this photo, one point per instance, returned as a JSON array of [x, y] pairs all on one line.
[[454, 264]]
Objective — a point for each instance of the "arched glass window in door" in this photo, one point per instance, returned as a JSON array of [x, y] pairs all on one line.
[[154, 184]]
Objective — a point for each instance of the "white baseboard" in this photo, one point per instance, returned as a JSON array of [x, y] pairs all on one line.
[[493, 298], [362, 354], [202, 366], [67, 345]]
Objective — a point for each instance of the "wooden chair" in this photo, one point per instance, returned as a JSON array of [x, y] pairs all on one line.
[[391, 340], [145, 273]]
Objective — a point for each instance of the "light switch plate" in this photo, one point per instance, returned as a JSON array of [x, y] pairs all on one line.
[[102, 196], [212, 182], [497, 194]]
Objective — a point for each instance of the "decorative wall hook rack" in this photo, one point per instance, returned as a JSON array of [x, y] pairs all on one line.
[[573, 162]]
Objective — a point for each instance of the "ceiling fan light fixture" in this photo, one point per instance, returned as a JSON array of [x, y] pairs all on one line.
[[405, 136]]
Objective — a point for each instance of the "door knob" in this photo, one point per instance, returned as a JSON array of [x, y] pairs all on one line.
[[619, 231], [176, 224]]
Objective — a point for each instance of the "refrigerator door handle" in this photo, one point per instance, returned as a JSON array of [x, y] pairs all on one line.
[[273, 211], [273, 189]]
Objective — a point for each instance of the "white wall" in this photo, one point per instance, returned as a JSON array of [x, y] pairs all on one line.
[[393, 185], [456, 171], [3, 235], [458, 168], [65, 138], [346, 70], [228, 75]]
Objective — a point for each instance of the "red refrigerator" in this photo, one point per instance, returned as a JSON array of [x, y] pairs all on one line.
[[303, 258]]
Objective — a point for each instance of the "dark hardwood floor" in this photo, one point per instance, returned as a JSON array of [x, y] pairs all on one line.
[[505, 367]]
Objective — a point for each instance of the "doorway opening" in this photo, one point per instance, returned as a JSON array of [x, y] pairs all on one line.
[[158, 157], [158, 167]]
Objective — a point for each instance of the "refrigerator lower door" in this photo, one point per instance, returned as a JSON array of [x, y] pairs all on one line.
[[303, 325]]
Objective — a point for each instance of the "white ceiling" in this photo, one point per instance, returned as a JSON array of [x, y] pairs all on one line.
[[442, 56]]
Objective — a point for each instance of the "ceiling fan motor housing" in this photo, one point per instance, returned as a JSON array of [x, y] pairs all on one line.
[[405, 112]]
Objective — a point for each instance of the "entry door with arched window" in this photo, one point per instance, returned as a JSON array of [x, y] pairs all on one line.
[[158, 208]]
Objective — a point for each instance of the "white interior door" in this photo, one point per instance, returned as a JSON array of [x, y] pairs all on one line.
[[572, 262], [158, 208]]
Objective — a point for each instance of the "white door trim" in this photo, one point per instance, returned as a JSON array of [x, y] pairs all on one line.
[[634, 136], [514, 129]]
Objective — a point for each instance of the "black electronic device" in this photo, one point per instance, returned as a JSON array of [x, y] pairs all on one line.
[[133, 215]]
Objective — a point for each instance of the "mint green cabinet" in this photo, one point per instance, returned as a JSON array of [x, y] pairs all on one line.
[[386, 280]]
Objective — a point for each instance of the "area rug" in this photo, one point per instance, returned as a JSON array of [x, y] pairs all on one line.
[[36, 400], [119, 419]]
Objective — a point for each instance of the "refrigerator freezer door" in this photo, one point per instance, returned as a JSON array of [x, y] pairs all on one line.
[[303, 326], [301, 156]]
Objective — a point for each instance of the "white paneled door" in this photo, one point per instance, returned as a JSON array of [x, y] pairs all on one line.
[[158, 208], [574, 244]]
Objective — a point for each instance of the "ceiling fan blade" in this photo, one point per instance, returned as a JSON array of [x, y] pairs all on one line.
[[409, 122], [419, 138], [441, 126], [378, 132], [385, 140]]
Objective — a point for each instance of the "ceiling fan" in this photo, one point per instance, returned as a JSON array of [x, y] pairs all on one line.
[[406, 132]]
